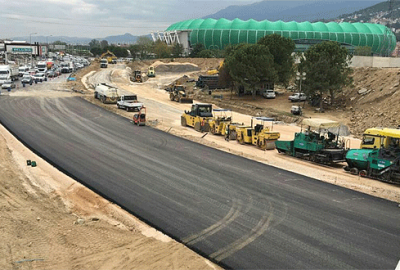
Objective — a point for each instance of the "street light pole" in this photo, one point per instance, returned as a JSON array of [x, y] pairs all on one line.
[[30, 44], [47, 44]]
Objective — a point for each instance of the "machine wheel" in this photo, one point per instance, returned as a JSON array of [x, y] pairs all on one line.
[[240, 138], [127, 109], [103, 99], [171, 96], [354, 171], [212, 130], [262, 144], [183, 121], [197, 126], [176, 98]]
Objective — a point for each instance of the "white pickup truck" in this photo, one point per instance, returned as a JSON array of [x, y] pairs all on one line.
[[106, 93], [129, 103]]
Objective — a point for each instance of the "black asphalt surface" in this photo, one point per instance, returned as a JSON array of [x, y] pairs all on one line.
[[240, 213]]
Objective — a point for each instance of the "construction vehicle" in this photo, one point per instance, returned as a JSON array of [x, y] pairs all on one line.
[[198, 117], [140, 117], [151, 72], [260, 135], [137, 76], [129, 103], [106, 93], [317, 143], [103, 63], [215, 71], [178, 93], [110, 57], [379, 156], [220, 122]]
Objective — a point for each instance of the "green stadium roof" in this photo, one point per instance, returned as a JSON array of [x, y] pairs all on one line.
[[216, 34]]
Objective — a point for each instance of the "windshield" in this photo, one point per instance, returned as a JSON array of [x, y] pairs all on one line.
[[3, 72], [130, 98]]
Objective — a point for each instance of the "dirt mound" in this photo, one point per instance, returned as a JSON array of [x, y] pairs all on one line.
[[177, 68], [202, 63], [375, 99]]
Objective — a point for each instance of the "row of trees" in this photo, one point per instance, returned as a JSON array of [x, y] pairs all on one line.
[[272, 60]]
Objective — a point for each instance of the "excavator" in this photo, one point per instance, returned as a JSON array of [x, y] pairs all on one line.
[[198, 117], [137, 76], [178, 93], [260, 135]]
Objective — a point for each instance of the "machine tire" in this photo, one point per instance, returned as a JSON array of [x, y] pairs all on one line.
[[240, 139], [171, 96], [183, 121], [127, 109], [212, 130], [197, 126], [261, 145]]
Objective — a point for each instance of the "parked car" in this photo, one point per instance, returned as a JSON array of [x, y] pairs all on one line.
[[40, 77], [51, 74], [297, 97], [269, 93], [8, 84], [26, 78]]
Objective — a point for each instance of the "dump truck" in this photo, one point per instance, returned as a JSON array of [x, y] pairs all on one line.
[[379, 156], [208, 81], [129, 103], [221, 122], [259, 135], [317, 143], [198, 117], [106, 93], [178, 93]]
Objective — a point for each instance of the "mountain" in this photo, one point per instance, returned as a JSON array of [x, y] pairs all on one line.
[[292, 10], [126, 38], [378, 13]]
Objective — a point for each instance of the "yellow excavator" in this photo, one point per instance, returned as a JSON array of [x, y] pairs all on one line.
[[110, 56], [198, 117], [260, 135], [215, 71]]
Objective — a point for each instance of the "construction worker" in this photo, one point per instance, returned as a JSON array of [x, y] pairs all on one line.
[[227, 131], [202, 123]]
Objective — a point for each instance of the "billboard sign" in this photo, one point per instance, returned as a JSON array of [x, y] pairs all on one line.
[[21, 49]]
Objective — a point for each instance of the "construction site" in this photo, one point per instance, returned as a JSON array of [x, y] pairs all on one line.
[[238, 125]]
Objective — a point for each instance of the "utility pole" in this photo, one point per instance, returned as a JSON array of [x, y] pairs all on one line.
[[30, 44]]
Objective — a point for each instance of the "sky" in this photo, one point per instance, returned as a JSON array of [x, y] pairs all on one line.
[[101, 18]]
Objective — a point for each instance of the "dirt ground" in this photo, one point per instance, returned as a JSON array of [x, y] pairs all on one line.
[[49, 221]]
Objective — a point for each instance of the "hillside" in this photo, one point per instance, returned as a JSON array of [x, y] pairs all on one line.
[[292, 10]]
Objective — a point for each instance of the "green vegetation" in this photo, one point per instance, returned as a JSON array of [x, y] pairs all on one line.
[[281, 48], [327, 67], [251, 65]]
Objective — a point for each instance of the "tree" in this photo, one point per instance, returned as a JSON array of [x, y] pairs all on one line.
[[94, 43], [96, 51], [161, 49], [144, 45], [281, 48], [206, 54], [177, 50], [59, 42], [363, 51], [327, 67], [251, 65], [103, 44], [196, 50]]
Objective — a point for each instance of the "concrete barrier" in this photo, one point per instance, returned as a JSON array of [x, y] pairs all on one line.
[[375, 61]]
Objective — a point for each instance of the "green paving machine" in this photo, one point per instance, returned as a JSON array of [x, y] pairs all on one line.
[[382, 162], [317, 143]]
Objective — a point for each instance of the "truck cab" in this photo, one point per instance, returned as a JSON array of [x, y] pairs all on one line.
[[374, 138], [103, 63]]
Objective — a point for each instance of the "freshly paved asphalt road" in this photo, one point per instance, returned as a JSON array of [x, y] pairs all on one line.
[[238, 212]]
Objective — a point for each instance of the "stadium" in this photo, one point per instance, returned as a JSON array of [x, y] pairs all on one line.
[[217, 34]]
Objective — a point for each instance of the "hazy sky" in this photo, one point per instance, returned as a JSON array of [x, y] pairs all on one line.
[[101, 18]]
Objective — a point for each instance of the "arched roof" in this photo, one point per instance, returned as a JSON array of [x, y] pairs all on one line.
[[225, 32]]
